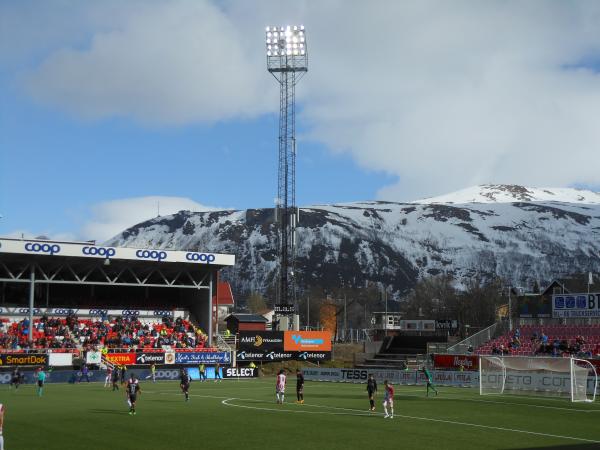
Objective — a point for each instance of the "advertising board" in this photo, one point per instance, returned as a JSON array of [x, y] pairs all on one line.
[[468, 362], [576, 305], [203, 358], [307, 341]]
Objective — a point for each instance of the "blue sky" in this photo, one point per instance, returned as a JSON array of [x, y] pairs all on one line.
[[56, 166], [107, 108]]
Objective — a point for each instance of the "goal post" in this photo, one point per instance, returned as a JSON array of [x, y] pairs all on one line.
[[572, 378]]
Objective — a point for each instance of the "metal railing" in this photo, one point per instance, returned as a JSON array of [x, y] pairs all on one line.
[[225, 343], [478, 339], [352, 335]]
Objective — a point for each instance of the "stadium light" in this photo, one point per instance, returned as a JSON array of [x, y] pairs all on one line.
[[287, 61], [286, 48]]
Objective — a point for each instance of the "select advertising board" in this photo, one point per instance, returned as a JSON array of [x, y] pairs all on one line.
[[576, 305]]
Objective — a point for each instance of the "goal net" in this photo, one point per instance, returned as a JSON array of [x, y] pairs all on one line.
[[563, 377]]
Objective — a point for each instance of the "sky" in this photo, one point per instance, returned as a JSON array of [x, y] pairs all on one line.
[[112, 112]]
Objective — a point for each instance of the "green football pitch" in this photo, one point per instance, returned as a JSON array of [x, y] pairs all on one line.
[[243, 415]]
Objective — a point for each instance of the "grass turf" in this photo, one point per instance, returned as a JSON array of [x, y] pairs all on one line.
[[244, 415]]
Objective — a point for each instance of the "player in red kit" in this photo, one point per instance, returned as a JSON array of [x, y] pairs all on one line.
[[388, 400]]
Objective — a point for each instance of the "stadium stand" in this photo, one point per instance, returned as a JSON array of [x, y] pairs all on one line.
[[555, 340], [71, 332]]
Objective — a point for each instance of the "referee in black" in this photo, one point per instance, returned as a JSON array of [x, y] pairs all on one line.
[[371, 390], [299, 386]]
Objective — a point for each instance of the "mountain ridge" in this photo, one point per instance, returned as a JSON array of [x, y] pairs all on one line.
[[396, 243]]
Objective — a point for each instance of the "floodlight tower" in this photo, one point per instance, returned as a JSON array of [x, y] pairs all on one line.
[[287, 61]]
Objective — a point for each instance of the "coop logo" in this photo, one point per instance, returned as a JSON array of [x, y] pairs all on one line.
[[105, 252], [62, 311], [42, 248], [98, 312], [130, 312], [36, 311], [167, 374], [163, 313], [151, 254], [200, 257]]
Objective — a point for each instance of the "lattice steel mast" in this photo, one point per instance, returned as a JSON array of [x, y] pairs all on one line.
[[287, 61]]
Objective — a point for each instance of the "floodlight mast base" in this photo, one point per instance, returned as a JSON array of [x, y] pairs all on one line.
[[288, 65]]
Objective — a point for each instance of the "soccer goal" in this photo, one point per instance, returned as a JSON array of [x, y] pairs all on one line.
[[563, 377]]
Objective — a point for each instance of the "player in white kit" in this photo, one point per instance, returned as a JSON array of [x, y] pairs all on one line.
[[280, 386]]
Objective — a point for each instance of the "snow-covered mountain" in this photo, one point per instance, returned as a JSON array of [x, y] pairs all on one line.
[[512, 232], [507, 193]]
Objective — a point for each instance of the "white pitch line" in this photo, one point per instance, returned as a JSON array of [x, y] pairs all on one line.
[[225, 402], [457, 397]]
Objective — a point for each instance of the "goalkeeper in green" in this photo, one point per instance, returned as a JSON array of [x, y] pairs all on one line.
[[430, 385]]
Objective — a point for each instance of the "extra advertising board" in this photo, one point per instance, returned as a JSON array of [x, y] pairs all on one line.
[[468, 362], [576, 305], [121, 359], [24, 359], [203, 358]]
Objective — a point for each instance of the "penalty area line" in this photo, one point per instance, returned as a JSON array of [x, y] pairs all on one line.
[[227, 402]]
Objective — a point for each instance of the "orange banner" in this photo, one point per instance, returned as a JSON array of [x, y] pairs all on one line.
[[311, 341], [121, 358]]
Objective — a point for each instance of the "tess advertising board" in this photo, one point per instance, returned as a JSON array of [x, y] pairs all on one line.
[[576, 305], [407, 377]]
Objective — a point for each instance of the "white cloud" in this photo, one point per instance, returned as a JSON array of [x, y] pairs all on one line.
[[164, 63], [109, 218], [440, 94]]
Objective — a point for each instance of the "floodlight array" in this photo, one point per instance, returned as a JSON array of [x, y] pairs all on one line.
[[286, 41]]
